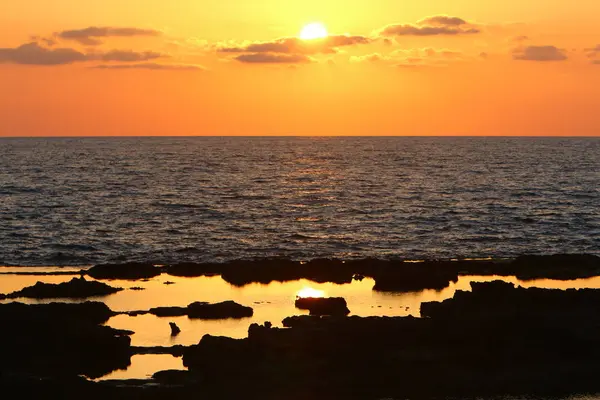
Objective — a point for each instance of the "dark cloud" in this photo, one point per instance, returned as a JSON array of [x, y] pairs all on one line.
[[540, 53], [89, 36], [153, 66], [129, 56], [432, 26], [34, 54], [270, 58], [326, 45]]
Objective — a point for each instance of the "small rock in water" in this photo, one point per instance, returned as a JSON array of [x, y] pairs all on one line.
[[138, 288], [174, 329], [168, 283]]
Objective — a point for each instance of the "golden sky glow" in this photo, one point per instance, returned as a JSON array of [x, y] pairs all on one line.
[[232, 67]]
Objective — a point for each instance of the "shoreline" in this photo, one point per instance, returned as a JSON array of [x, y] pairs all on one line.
[[495, 339]]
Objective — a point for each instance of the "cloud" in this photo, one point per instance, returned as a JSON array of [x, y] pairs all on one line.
[[540, 53], [34, 54], [418, 57], [129, 56], [153, 66], [432, 26], [372, 58], [593, 51], [89, 36], [270, 58], [326, 45]]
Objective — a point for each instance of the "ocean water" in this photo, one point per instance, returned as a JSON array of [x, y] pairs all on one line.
[[75, 201]]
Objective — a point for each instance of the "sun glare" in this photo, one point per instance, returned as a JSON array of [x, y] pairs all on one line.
[[307, 292], [316, 30]]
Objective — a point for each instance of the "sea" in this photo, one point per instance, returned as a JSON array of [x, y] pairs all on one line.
[[83, 201]]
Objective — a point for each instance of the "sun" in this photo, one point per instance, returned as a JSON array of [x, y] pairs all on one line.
[[315, 30]]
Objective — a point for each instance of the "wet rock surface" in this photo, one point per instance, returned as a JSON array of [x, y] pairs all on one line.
[[77, 288], [323, 306], [128, 271], [55, 339]]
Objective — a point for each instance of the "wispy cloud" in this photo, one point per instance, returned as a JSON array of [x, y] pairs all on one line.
[[432, 26], [269, 58], [540, 53], [291, 45], [35, 54], [153, 66], [91, 36]]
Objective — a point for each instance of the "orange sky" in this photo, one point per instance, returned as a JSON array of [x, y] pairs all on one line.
[[232, 67]]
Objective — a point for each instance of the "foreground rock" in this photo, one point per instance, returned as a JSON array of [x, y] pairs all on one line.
[[77, 288], [495, 341], [323, 306], [129, 271], [60, 340], [201, 310]]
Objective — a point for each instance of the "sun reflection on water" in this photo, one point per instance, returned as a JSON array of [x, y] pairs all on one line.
[[308, 291]]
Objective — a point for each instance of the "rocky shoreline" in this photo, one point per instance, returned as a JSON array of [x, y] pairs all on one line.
[[496, 340]]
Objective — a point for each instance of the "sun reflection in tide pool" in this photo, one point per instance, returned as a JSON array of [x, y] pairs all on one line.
[[307, 291]]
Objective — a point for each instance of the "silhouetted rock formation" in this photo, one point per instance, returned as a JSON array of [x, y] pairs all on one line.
[[226, 309], [174, 329], [410, 277], [202, 310], [61, 340], [175, 378], [190, 270], [128, 271], [323, 306], [497, 340], [559, 266], [77, 288]]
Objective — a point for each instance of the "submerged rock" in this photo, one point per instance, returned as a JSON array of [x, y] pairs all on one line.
[[77, 288], [323, 306], [128, 271]]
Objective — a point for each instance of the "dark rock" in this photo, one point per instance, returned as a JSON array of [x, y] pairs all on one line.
[[61, 340], [323, 306], [129, 271], [175, 351], [409, 277], [174, 329], [169, 311], [226, 309], [137, 288], [76, 288], [559, 266], [494, 341], [168, 283], [175, 377], [201, 310], [190, 270]]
